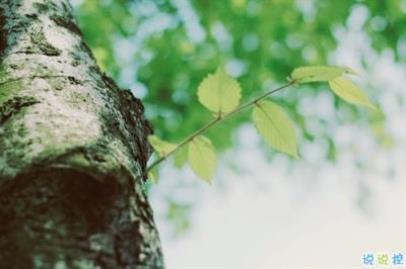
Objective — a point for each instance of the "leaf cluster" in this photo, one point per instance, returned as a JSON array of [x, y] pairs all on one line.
[[221, 94]]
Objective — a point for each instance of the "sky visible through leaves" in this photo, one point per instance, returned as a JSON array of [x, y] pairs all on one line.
[[162, 50]]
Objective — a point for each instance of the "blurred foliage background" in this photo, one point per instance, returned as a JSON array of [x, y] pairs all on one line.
[[162, 49]]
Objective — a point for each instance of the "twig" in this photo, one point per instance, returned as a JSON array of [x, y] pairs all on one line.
[[216, 120]]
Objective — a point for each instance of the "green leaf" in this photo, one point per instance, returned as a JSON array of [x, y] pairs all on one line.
[[219, 92], [276, 127], [307, 74], [160, 146], [202, 158], [350, 92], [181, 157]]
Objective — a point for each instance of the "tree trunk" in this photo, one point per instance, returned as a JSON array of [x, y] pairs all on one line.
[[72, 150]]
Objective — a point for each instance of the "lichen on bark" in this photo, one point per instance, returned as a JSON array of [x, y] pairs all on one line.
[[72, 150]]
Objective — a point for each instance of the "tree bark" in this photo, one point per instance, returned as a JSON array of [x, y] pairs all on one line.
[[72, 150]]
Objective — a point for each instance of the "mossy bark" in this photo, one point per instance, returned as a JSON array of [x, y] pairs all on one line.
[[72, 150]]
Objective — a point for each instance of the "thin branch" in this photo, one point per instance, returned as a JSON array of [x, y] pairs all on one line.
[[218, 119], [185, 141]]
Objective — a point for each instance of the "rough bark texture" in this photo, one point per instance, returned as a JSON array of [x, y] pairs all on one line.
[[72, 145]]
